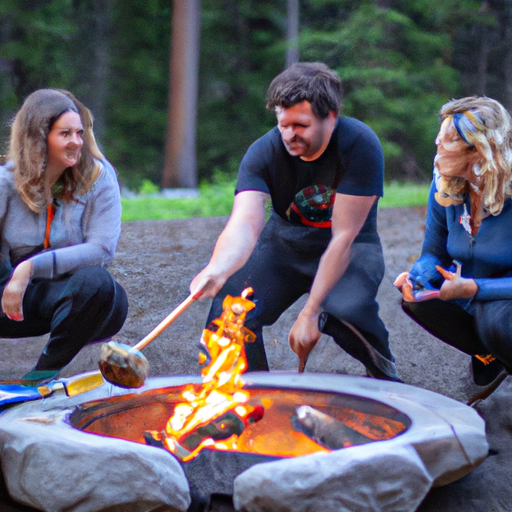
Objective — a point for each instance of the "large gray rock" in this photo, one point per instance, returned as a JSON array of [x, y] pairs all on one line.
[[51, 466], [489, 486], [378, 480]]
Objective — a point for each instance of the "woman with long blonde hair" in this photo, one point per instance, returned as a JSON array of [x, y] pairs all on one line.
[[460, 289], [60, 220]]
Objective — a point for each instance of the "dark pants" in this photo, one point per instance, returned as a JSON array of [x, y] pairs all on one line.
[[77, 309], [281, 270], [486, 329]]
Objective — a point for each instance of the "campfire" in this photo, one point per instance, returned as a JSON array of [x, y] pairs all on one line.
[[216, 415], [221, 414]]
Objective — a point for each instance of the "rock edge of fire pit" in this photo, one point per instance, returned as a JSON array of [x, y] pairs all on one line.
[[393, 475], [51, 466]]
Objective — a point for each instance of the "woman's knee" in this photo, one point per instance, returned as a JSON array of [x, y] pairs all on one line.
[[428, 313], [95, 285], [92, 281], [412, 308], [119, 305], [494, 324]]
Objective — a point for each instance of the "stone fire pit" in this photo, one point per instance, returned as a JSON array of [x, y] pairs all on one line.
[[87, 453]]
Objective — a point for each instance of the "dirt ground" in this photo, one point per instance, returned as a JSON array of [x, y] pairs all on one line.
[[156, 261]]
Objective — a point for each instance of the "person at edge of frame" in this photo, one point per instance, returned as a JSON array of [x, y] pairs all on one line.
[[60, 218], [323, 174], [460, 288]]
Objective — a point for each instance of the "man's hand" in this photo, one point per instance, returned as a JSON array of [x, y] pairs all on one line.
[[206, 284], [304, 333], [14, 291]]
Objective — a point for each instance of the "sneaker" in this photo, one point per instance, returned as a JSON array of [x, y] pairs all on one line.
[[486, 391], [35, 378]]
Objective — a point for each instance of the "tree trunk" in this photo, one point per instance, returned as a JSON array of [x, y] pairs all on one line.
[[482, 62], [292, 33], [99, 72], [180, 147]]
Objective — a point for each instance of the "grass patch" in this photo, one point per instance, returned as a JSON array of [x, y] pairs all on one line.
[[213, 201], [398, 195], [216, 201]]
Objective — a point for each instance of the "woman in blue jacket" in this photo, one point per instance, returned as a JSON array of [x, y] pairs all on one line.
[[460, 289]]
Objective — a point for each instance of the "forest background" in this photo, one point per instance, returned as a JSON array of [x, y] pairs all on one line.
[[400, 60]]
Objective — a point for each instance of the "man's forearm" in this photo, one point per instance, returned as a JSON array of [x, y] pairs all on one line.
[[333, 265], [233, 249], [235, 244]]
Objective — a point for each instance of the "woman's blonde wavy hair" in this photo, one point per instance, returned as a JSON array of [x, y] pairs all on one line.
[[491, 134], [29, 152]]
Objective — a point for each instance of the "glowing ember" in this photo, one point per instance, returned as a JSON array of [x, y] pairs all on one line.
[[217, 414]]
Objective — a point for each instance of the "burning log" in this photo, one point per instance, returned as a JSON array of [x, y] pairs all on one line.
[[229, 426], [325, 430], [219, 412], [355, 429]]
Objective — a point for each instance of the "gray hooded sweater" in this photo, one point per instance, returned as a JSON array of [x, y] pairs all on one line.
[[84, 231]]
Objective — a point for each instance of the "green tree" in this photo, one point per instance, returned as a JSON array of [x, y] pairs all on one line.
[[482, 52], [399, 60], [54, 43], [395, 62], [34, 46], [136, 115], [243, 47]]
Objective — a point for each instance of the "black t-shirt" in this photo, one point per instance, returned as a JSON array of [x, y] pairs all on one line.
[[303, 192]]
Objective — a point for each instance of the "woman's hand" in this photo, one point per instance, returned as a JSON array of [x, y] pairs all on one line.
[[304, 333], [404, 285], [455, 286], [412, 294], [14, 291]]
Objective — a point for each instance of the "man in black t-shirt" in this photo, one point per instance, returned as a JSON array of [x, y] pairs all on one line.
[[323, 175]]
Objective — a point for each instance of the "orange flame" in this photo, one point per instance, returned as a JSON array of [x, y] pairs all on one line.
[[217, 414]]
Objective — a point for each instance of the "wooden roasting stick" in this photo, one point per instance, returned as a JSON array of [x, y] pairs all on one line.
[[126, 366], [168, 320]]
